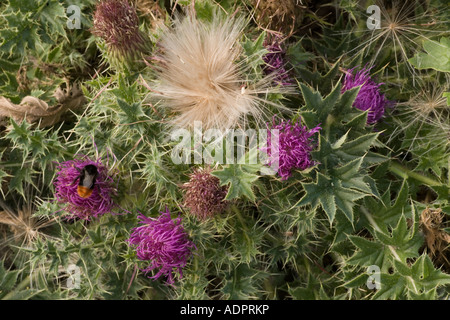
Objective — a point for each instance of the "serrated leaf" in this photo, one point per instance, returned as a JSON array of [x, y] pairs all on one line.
[[238, 179], [424, 273], [132, 112], [345, 200], [402, 268], [368, 253], [19, 35], [392, 287], [375, 158], [349, 170], [53, 17], [345, 105], [255, 50], [357, 147], [359, 121], [340, 141], [406, 242], [357, 281], [313, 99], [398, 236], [427, 295], [315, 79], [331, 196], [320, 192], [25, 294], [321, 106], [386, 213]]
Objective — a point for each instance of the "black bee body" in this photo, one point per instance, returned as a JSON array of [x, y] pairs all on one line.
[[87, 178]]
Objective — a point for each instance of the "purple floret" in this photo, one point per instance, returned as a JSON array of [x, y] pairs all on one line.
[[275, 61], [369, 96], [164, 242], [294, 147]]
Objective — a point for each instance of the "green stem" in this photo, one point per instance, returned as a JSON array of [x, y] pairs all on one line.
[[328, 122], [406, 173], [241, 220]]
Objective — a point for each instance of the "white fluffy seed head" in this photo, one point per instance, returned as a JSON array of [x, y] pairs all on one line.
[[203, 78]]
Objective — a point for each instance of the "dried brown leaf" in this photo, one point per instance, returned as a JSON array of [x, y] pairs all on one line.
[[431, 221], [35, 110]]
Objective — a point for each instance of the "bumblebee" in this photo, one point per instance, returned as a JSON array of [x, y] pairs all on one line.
[[87, 180]]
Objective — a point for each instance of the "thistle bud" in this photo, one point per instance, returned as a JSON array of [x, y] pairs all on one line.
[[117, 23], [204, 196]]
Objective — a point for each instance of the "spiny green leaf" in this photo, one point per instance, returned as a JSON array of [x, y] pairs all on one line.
[[345, 200], [357, 147], [53, 18], [331, 196], [320, 192], [359, 121], [386, 213], [424, 273], [322, 107], [239, 180], [392, 287], [368, 253], [340, 141], [20, 34], [422, 277], [426, 295], [349, 170], [133, 112]]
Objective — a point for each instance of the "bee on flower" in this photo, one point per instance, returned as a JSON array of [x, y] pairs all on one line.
[[84, 188]]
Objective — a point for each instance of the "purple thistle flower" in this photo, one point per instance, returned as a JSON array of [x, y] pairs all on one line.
[[117, 22], [164, 242], [204, 196], [294, 147], [275, 61], [66, 189], [369, 96]]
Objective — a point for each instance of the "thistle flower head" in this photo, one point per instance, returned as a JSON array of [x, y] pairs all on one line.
[[369, 97], [293, 149], [164, 242], [117, 23], [67, 192], [275, 61], [203, 75], [203, 195]]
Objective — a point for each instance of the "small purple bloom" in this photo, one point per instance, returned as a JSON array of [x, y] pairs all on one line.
[[294, 147], [66, 189], [275, 61], [164, 242], [369, 96], [203, 195]]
